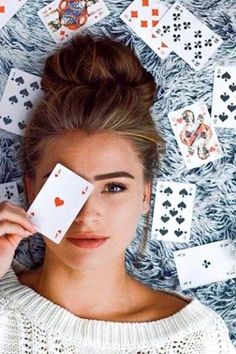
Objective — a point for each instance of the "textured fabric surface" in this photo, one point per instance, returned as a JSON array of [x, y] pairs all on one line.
[[32, 324], [25, 44]]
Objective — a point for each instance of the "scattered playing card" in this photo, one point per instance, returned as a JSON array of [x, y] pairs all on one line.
[[223, 111], [173, 209], [22, 93], [187, 36], [8, 8], [195, 135], [58, 202], [9, 192], [205, 264], [64, 18], [142, 16]]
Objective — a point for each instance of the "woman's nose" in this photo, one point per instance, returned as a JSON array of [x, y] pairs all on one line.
[[90, 212]]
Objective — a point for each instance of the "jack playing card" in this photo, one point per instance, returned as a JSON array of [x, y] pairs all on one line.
[[195, 135], [64, 18], [142, 16], [58, 202], [8, 8], [205, 264], [173, 209], [9, 192], [22, 93], [187, 36], [223, 111]]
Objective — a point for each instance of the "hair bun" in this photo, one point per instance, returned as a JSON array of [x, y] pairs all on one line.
[[97, 64]]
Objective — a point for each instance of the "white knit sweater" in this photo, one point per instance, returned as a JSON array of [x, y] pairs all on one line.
[[31, 324]]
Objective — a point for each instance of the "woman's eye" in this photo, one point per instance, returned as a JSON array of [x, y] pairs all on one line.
[[114, 188]]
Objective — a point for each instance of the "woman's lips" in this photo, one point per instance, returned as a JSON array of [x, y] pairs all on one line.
[[87, 242]]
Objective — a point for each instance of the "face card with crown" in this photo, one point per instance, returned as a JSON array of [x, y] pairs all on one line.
[[205, 264], [195, 135], [8, 8], [173, 210], [142, 16], [223, 111], [65, 18], [187, 36], [58, 202], [21, 95]]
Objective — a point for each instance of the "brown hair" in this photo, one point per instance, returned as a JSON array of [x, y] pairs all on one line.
[[95, 84]]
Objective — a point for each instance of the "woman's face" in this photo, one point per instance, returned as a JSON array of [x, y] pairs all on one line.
[[119, 197]]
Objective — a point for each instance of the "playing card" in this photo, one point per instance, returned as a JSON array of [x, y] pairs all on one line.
[[65, 18], [8, 9], [173, 210], [195, 135], [142, 16], [223, 111], [187, 36], [9, 192], [22, 93], [205, 264], [58, 202]]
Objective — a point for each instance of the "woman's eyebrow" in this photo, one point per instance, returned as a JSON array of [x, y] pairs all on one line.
[[104, 176]]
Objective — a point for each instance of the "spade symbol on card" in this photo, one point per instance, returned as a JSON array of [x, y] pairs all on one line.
[[173, 212], [85, 190], [31, 215], [224, 97], [7, 120], [178, 232], [58, 202], [223, 116], [22, 125], [28, 105], [58, 233], [180, 219], [168, 191], [165, 218], [182, 205], [183, 193], [24, 93], [231, 107], [166, 204], [34, 85], [226, 76], [19, 80], [232, 87], [58, 173], [13, 99], [163, 231]]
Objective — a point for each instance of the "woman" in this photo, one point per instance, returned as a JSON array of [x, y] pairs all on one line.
[[95, 120]]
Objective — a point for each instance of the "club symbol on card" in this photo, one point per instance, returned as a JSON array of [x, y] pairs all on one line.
[[19, 80], [180, 219], [8, 194], [7, 120], [224, 97], [24, 93], [13, 99], [223, 116], [163, 231], [58, 173], [22, 125], [173, 212], [226, 76], [58, 233], [34, 85], [166, 204], [58, 202], [28, 105], [85, 190], [182, 205], [165, 218], [206, 264], [232, 87]]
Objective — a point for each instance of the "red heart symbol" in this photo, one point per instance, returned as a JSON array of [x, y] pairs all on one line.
[[58, 201], [179, 120], [212, 149]]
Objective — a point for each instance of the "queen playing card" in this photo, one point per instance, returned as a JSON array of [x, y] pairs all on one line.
[[58, 202], [223, 112], [195, 135]]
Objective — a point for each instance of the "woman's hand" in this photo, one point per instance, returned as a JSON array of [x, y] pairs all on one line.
[[14, 226]]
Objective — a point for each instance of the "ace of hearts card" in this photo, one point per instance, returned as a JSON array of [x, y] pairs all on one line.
[[195, 135], [142, 16], [65, 18], [58, 202]]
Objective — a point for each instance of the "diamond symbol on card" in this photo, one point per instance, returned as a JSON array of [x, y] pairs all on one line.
[[2, 9], [134, 14]]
